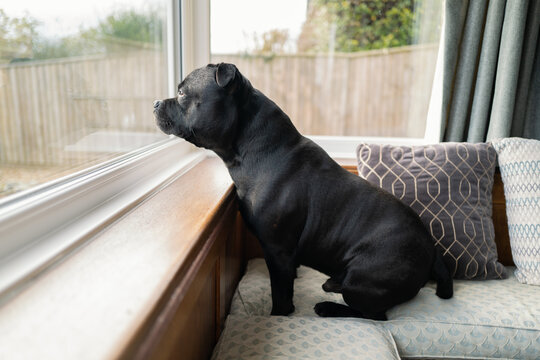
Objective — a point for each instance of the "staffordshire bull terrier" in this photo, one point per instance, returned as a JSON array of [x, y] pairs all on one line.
[[304, 207]]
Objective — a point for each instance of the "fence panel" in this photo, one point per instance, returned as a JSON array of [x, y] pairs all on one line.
[[48, 105], [371, 93]]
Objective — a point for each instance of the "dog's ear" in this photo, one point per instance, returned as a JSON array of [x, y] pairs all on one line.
[[225, 74]]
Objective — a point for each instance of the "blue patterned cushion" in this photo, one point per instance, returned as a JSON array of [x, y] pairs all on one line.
[[485, 319], [283, 337], [519, 160], [253, 295]]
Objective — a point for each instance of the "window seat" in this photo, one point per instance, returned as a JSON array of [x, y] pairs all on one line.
[[156, 283], [489, 319]]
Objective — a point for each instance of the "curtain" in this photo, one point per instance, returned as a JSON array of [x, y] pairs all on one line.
[[491, 76]]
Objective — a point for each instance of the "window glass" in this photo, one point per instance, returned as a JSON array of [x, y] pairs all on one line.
[[345, 68], [77, 81]]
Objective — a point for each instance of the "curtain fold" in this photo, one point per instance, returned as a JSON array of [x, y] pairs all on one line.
[[491, 78]]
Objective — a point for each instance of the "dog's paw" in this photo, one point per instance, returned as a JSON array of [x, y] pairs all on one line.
[[282, 311], [332, 286], [325, 309]]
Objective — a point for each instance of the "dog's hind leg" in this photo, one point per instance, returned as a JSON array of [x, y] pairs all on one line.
[[332, 309], [364, 298], [440, 273], [332, 285]]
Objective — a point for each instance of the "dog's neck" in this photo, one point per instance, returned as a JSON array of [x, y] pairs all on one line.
[[264, 131]]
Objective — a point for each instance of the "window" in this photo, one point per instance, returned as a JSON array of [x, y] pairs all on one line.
[[77, 81], [337, 68], [78, 143]]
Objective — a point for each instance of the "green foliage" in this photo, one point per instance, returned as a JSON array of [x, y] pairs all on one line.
[[355, 25], [130, 25], [120, 31], [84, 43], [16, 36]]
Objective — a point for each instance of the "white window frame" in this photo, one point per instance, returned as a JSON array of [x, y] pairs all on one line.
[[42, 225]]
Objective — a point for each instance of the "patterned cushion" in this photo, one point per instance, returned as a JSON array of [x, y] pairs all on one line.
[[519, 160], [449, 185], [303, 338], [484, 319], [253, 296]]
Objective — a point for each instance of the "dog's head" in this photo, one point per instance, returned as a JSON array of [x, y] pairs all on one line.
[[204, 110]]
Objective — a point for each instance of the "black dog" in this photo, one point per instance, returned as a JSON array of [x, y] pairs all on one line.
[[303, 206]]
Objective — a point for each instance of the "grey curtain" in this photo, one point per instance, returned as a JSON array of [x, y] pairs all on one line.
[[491, 78]]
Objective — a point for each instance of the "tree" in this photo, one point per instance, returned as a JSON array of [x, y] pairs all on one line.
[[133, 26], [271, 42], [355, 25], [120, 31], [16, 36]]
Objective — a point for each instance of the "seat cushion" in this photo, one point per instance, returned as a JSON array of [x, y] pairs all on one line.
[[253, 295], [484, 319], [282, 337]]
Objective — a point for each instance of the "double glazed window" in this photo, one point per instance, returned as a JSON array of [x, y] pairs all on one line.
[[77, 81], [341, 68], [78, 142]]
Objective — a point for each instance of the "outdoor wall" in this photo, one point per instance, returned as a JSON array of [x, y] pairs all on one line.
[[47, 106], [370, 93]]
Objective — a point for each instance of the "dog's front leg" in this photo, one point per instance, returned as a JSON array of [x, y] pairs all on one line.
[[282, 273]]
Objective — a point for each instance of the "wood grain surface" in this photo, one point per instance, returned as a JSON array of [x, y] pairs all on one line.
[[93, 304]]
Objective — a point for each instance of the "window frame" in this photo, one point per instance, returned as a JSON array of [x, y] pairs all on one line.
[[42, 225], [343, 148], [47, 223]]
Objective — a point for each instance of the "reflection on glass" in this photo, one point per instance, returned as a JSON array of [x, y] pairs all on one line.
[[77, 80], [347, 68]]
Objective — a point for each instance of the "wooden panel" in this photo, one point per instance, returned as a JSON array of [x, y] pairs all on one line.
[[351, 168], [500, 222], [101, 297], [49, 104], [187, 320], [232, 263], [368, 93], [192, 332], [252, 245]]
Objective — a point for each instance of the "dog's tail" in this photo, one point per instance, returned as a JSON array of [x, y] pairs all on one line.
[[440, 273]]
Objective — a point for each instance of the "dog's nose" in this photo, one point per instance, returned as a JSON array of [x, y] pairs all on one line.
[[156, 104]]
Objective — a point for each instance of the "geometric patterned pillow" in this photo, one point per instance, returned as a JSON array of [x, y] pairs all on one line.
[[519, 160], [449, 186]]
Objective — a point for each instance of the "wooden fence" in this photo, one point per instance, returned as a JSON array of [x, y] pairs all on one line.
[[47, 106], [372, 93]]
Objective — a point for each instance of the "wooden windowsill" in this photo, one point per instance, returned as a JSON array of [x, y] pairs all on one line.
[[94, 302]]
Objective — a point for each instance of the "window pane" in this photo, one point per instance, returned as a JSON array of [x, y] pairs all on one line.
[[346, 68], [77, 81]]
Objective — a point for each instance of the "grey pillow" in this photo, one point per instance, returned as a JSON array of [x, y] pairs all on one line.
[[449, 185]]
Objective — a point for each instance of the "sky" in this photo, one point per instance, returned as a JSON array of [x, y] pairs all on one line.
[[65, 17], [233, 22], [232, 33]]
